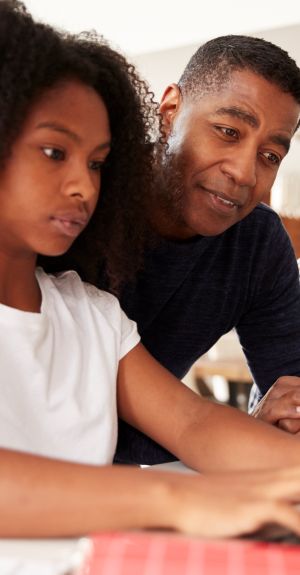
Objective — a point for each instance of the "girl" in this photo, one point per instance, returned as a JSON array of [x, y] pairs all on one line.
[[74, 118]]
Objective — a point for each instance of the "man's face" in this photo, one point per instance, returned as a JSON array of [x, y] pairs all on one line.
[[224, 151]]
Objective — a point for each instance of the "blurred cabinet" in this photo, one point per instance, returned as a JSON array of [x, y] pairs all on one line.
[[292, 227]]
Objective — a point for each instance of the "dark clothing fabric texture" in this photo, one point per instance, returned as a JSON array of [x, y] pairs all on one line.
[[190, 293]]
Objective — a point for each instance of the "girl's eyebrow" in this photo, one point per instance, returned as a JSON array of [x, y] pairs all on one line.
[[62, 129]]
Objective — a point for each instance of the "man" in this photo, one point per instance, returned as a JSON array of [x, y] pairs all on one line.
[[222, 260]]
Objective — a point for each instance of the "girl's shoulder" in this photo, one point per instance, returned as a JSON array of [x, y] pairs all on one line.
[[69, 286]]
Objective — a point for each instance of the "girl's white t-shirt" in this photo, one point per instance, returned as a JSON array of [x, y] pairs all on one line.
[[58, 371]]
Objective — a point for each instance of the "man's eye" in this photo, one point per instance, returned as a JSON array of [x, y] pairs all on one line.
[[272, 158], [54, 153], [228, 132], [96, 165]]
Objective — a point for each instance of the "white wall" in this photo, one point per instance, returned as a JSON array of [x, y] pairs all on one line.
[[165, 66]]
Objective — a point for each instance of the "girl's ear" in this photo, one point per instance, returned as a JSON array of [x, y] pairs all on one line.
[[169, 106]]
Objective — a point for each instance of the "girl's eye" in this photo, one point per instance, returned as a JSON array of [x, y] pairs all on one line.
[[272, 158], [54, 153], [96, 165]]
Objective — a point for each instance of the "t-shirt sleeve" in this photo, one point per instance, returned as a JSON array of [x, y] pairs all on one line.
[[125, 329], [130, 336]]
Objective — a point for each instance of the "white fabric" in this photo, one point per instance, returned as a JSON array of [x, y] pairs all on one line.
[[59, 369], [43, 556]]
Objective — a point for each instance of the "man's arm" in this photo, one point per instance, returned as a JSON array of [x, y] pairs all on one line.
[[269, 330], [281, 404]]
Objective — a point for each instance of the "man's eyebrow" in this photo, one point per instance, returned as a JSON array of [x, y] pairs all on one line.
[[60, 128], [281, 141], [239, 113]]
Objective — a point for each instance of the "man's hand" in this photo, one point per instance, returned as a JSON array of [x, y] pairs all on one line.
[[281, 404]]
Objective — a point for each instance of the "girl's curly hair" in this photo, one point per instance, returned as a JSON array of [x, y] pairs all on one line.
[[33, 58]]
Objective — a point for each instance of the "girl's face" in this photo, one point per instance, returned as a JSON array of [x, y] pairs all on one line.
[[51, 181]]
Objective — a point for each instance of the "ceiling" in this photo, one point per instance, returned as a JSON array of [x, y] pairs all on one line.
[[140, 26]]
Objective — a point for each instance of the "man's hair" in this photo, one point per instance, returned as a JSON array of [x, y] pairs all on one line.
[[210, 68], [34, 57]]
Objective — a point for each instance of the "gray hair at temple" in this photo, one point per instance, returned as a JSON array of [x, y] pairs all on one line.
[[210, 68]]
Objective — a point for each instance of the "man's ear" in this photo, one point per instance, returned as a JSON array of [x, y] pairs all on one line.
[[169, 106]]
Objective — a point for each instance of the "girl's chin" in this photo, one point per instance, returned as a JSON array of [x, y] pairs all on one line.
[[54, 252]]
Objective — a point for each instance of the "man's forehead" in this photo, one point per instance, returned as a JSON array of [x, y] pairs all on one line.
[[232, 82], [245, 95]]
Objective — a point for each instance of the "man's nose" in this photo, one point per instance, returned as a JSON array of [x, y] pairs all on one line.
[[240, 166]]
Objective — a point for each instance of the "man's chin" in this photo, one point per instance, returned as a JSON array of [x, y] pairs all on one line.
[[192, 228]]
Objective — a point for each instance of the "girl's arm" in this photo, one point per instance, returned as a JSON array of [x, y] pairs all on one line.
[[204, 435], [40, 497], [44, 497]]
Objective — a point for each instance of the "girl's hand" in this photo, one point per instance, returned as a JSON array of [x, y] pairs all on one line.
[[232, 504]]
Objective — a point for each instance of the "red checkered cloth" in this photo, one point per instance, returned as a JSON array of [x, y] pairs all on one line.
[[149, 553]]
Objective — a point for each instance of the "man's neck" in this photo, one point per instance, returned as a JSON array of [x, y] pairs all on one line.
[[165, 225]]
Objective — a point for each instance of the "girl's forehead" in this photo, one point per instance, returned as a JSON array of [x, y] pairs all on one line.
[[73, 105], [67, 93]]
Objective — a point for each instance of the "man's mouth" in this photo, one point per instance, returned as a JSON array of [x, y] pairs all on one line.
[[220, 198], [223, 204]]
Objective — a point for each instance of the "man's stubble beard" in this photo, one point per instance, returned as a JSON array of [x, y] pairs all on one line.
[[169, 189]]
